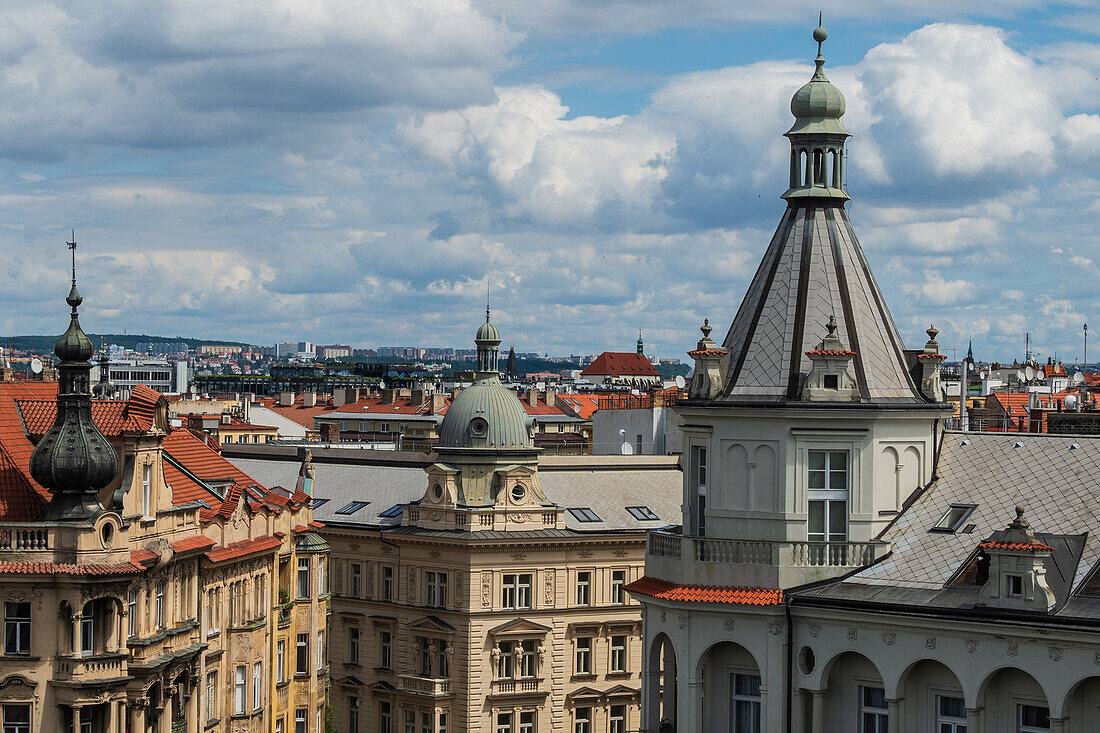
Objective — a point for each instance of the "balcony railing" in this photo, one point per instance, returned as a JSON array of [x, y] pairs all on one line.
[[522, 686], [746, 552], [797, 554], [24, 539], [833, 554], [664, 544], [433, 686]]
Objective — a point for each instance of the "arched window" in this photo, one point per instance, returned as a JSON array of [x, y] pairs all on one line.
[[819, 167], [804, 156]]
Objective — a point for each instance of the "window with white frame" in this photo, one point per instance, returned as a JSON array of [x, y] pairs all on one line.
[[442, 725], [160, 605], [873, 712], [410, 721], [87, 632], [280, 660], [278, 725], [583, 655], [131, 612], [320, 718], [320, 649], [240, 690], [527, 722], [387, 583], [616, 719], [147, 491], [516, 590], [321, 588], [617, 658], [17, 628], [257, 685], [582, 720], [699, 466], [301, 720], [504, 722], [1032, 718], [745, 701], [303, 577], [17, 718], [302, 666], [584, 587], [211, 695], [618, 582], [950, 714], [827, 496], [436, 587], [353, 645], [356, 583], [1014, 586]]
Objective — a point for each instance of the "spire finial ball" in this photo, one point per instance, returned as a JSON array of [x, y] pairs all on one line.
[[820, 34]]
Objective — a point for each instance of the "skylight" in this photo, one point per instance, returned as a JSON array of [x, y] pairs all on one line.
[[642, 513], [393, 511], [317, 501], [352, 508], [953, 518], [584, 514]]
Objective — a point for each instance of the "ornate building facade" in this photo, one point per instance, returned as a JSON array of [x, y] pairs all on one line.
[[146, 583], [483, 588], [844, 563]]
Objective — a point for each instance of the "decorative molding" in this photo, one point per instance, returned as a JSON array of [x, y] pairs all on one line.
[[435, 554], [620, 552], [971, 645], [728, 624], [662, 615], [519, 556], [585, 553], [774, 629], [487, 588], [16, 687], [1055, 653], [1013, 649], [930, 642], [548, 586], [814, 630], [852, 633], [889, 637], [683, 622]]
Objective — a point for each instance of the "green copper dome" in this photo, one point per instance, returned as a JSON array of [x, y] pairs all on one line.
[[487, 332], [487, 415], [818, 105]]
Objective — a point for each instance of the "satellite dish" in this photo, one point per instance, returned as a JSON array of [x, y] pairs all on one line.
[[1071, 402], [981, 375], [1041, 373], [381, 384], [680, 382], [36, 365], [622, 432], [1078, 378], [1029, 372], [627, 448], [1020, 376]]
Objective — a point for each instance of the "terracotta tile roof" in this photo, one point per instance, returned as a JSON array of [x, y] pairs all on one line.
[[316, 525], [243, 548], [299, 529], [142, 405], [931, 356], [708, 352], [829, 352], [1017, 546], [21, 498], [197, 542], [542, 408], [142, 555], [621, 365], [665, 590], [582, 404], [52, 568]]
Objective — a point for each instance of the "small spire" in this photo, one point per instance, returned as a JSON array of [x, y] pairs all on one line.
[[820, 34], [74, 298], [705, 328]]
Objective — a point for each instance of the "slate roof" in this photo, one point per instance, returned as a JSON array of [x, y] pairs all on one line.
[[814, 269], [616, 364], [1057, 480], [605, 491]]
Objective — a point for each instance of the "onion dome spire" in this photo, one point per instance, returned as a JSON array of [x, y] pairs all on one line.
[[73, 459], [487, 341], [817, 136]]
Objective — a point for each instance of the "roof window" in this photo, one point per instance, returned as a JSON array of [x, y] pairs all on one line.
[[642, 513], [393, 511], [317, 501], [584, 514], [953, 518], [352, 508]]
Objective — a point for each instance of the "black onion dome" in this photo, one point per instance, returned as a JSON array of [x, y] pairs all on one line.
[[74, 344]]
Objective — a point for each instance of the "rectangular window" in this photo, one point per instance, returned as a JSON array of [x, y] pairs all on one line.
[[582, 720], [642, 513], [146, 491], [353, 645], [425, 646], [828, 496], [953, 518], [300, 723], [280, 660], [436, 583], [303, 577], [443, 664], [950, 714], [617, 719], [385, 649], [516, 590], [320, 650], [211, 695], [699, 465], [321, 587], [525, 655], [239, 690], [1032, 719], [356, 583], [584, 514], [385, 717], [17, 718], [1014, 586], [618, 581], [257, 685], [17, 628], [387, 583], [410, 721], [584, 588], [303, 654], [745, 702], [527, 722], [353, 715], [617, 661], [442, 728], [320, 719], [505, 662], [504, 722], [131, 613], [425, 722], [873, 712], [87, 635], [278, 725], [584, 655], [160, 605], [352, 507]]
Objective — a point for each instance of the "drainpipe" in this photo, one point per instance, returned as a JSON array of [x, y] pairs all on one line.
[[790, 664]]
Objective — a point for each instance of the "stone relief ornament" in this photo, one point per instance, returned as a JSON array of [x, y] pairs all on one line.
[[435, 516], [16, 687], [519, 518], [518, 556], [889, 637], [662, 616], [585, 553], [487, 588], [620, 552], [683, 622], [930, 642], [971, 645], [814, 630], [852, 633], [435, 554], [1096, 659], [728, 624], [354, 547], [548, 587], [774, 629], [387, 549], [1055, 653], [1013, 649], [26, 596], [412, 583]]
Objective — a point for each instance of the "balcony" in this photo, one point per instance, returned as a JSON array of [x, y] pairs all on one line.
[[429, 686], [521, 686], [754, 563]]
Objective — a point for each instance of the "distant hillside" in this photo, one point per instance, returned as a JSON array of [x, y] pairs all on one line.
[[40, 344]]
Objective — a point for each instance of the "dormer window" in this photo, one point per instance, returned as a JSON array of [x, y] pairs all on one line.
[[518, 493], [953, 518], [1014, 586], [832, 381], [437, 492]]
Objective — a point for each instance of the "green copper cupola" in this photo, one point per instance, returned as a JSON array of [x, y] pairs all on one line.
[[817, 136]]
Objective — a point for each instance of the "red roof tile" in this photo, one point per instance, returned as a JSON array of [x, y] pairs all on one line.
[[581, 404], [708, 352], [828, 352], [243, 548], [197, 542], [1017, 546], [665, 590], [142, 555], [621, 365], [21, 498], [52, 568]]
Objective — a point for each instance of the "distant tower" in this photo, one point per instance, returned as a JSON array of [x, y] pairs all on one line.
[[488, 348], [511, 367], [104, 388], [73, 459], [641, 346]]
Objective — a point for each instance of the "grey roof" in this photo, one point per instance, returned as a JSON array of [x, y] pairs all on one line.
[[1057, 483], [506, 422], [814, 268], [605, 490]]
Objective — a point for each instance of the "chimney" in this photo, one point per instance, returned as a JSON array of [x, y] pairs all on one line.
[[388, 395], [330, 432], [246, 408], [416, 397], [551, 397], [286, 399], [226, 418], [337, 398], [533, 397], [351, 394], [438, 403], [309, 399]]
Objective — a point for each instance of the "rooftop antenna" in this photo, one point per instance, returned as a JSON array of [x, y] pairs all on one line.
[[1086, 358], [486, 298]]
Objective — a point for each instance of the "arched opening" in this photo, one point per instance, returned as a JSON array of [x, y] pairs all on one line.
[[733, 698], [932, 698], [795, 173], [819, 168], [1079, 706], [1011, 699], [661, 687], [854, 696], [834, 168], [96, 629], [805, 158]]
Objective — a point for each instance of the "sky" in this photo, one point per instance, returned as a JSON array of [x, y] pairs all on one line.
[[362, 171]]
